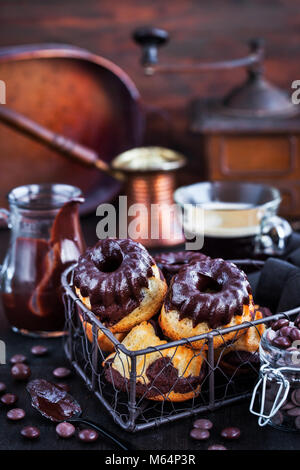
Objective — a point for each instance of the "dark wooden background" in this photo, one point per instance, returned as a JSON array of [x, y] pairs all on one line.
[[199, 29]]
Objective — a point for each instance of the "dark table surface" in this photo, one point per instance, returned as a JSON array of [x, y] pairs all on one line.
[[173, 436]]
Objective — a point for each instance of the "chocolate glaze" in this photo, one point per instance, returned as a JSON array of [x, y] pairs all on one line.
[[171, 263], [210, 290], [163, 377], [51, 401], [112, 274]]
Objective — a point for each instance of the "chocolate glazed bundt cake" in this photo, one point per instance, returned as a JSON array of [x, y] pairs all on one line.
[[204, 295], [119, 281], [173, 374]]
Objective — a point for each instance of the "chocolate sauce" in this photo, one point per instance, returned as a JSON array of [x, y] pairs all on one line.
[[51, 401], [210, 290], [171, 263], [163, 378], [112, 274], [34, 300]]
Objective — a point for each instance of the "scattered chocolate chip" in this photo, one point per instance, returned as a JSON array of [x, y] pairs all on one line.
[[9, 399], [15, 414], [203, 424], [297, 422], [61, 372], [39, 350], [277, 419], [2, 387], [199, 434], [297, 322], [294, 411], [18, 358], [30, 432], [63, 386], [231, 433], [295, 397], [88, 435], [217, 447], [281, 342], [280, 324], [65, 430], [20, 371]]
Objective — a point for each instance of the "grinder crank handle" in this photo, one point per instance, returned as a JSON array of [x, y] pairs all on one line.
[[62, 144]]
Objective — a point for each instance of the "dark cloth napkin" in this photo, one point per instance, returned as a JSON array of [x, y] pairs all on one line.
[[277, 285]]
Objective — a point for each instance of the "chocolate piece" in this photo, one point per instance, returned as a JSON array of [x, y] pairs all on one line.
[[9, 399], [51, 401], [294, 334], [65, 430], [203, 424], [285, 330], [62, 372], [200, 434], [277, 419], [281, 342], [231, 433], [216, 447], [297, 322], [20, 372], [15, 414], [171, 263], [18, 358], [2, 387], [210, 285], [295, 397], [39, 350], [293, 411], [113, 275], [63, 386], [287, 405], [30, 432], [277, 325], [88, 435]]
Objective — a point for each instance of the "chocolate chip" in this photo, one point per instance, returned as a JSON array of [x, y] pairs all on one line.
[[15, 414], [20, 371], [9, 399], [294, 411], [280, 324], [277, 419], [217, 447], [30, 432], [297, 422], [287, 405], [2, 387], [297, 322], [286, 330], [199, 434], [63, 386], [39, 350], [88, 435], [295, 397], [18, 358], [231, 433], [61, 372], [203, 424], [65, 430], [281, 342]]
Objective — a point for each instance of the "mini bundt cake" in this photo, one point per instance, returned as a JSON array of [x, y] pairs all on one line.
[[173, 374], [205, 295], [171, 262], [242, 356], [119, 281], [104, 342]]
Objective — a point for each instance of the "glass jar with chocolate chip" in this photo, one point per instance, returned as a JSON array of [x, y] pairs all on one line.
[[279, 382]]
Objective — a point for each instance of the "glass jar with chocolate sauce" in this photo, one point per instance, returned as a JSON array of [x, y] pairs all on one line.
[[278, 387], [45, 238]]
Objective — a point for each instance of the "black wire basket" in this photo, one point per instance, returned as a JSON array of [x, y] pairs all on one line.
[[135, 411]]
